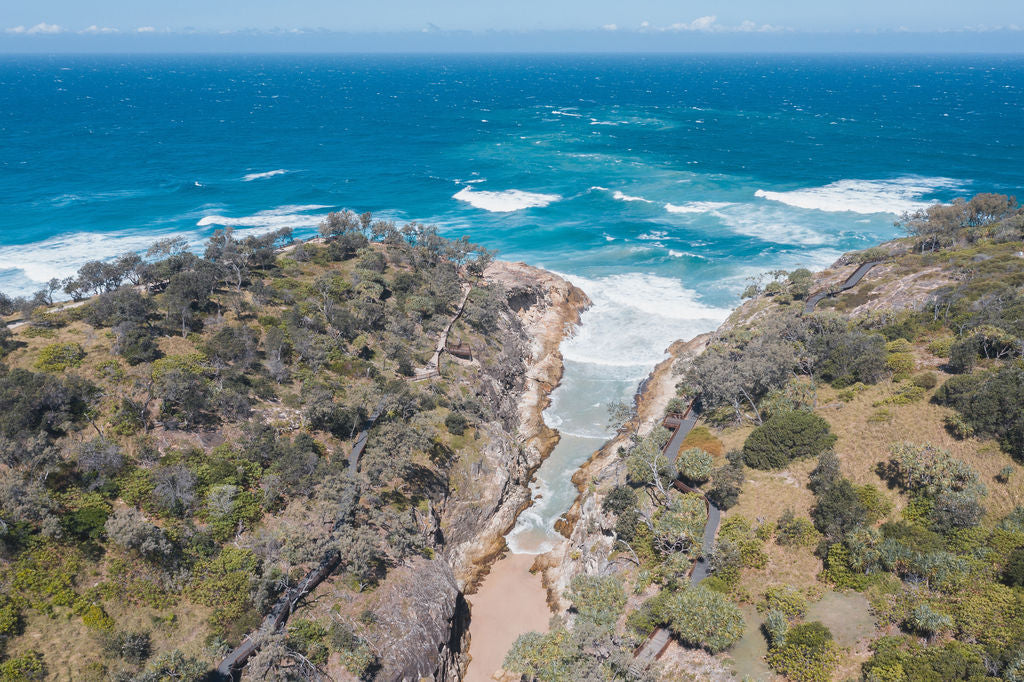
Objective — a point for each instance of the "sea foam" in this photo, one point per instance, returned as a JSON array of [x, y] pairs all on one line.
[[697, 207], [265, 174], [864, 196], [294, 216], [505, 201]]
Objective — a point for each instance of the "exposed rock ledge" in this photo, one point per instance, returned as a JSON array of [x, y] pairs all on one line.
[[547, 309]]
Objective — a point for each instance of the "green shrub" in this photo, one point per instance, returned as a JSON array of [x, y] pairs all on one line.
[[925, 380], [309, 638], [787, 436], [694, 464], [837, 569], [903, 658], [456, 423], [900, 365], [785, 599], [904, 395], [27, 666], [1005, 474], [223, 582], [702, 618], [808, 654], [58, 357], [1013, 572], [877, 504], [597, 600], [96, 618], [619, 499], [882, 416], [898, 346], [793, 531], [940, 347]]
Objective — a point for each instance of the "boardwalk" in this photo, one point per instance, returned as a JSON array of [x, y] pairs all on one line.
[[648, 652], [680, 425], [850, 282]]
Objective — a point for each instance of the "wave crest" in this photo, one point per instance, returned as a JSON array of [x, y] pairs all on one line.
[[265, 174], [895, 196], [505, 201]]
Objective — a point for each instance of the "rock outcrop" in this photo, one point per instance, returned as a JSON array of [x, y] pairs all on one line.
[[421, 606], [547, 309], [422, 620]]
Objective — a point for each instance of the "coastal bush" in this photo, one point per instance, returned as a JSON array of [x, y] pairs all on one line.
[[173, 665], [1013, 572], [597, 600], [679, 525], [726, 485], [619, 499], [844, 356], [787, 436], [793, 531], [58, 357], [903, 658], [992, 403], [27, 666], [694, 464], [785, 599], [456, 423], [838, 510], [807, 655], [927, 469], [925, 380], [706, 619]]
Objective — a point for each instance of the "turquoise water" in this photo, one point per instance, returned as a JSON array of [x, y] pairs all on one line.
[[657, 184]]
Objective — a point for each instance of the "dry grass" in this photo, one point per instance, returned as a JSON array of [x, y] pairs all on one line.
[[701, 437], [68, 645], [861, 444]]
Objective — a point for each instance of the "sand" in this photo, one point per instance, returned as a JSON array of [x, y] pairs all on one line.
[[510, 601]]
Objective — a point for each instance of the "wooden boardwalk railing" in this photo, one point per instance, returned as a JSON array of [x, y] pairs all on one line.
[[850, 282], [680, 424]]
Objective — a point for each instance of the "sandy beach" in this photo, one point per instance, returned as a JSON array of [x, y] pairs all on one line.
[[510, 601]]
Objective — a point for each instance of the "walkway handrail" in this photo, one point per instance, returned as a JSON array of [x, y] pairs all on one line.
[[850, 282]]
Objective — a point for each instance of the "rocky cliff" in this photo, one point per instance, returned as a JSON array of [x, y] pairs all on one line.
[[424, 600]]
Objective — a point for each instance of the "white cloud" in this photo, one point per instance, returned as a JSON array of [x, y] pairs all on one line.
[[611, 27], [41, 28], [145, 29], [710, 24], [96, 30]]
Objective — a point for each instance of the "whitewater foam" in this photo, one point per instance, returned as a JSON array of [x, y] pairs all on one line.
[[28, 266], [895, 196], [697, 206], [265, 174], [504, 201], [294, 216]]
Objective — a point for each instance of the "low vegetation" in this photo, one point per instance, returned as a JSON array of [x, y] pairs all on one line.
[[174, 445]]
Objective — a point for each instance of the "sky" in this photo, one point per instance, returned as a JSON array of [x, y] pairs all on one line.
[[153, 25]]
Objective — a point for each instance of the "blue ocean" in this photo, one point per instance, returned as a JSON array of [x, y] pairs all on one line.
[[658, 184]]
